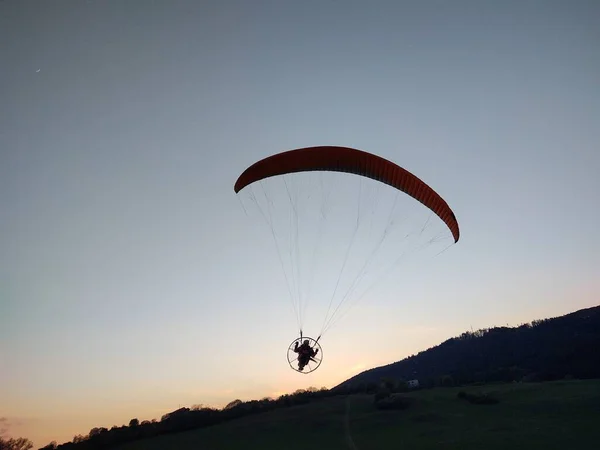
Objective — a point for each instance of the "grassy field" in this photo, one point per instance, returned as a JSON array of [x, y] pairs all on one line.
[[561, 415]]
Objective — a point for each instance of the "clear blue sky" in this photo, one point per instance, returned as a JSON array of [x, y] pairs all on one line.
[[130, 280]]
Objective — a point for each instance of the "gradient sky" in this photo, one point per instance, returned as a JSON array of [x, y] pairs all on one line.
[[130, 281]]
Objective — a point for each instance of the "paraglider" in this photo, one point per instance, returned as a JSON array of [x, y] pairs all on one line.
[[310, 176]]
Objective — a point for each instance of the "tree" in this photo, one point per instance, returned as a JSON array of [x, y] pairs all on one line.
[[233, 404], [96, 431], [15, 444], [134, 422], [79, 438]]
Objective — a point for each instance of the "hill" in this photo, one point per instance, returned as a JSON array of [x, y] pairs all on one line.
[[543, 350], [550, 349], [554, 415]]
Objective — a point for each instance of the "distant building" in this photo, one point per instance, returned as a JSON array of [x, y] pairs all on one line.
[[413, 383]]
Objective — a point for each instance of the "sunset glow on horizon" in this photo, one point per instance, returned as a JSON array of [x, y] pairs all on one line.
[[134, 281]]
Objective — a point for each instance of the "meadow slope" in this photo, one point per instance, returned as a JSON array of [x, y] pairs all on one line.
[[553, 415]]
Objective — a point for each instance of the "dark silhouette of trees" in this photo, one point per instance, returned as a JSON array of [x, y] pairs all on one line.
[[15, 444], [7, 443], [184, 419], [233, 404]]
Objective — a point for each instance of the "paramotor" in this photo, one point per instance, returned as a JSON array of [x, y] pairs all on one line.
[[341, 219]]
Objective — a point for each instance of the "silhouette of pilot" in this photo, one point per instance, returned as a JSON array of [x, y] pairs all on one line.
[[305, 354]]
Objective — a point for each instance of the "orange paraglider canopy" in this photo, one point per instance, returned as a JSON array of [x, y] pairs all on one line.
[[349, 160]]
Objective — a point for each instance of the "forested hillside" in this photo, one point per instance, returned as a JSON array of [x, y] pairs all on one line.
[[549, 349]]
